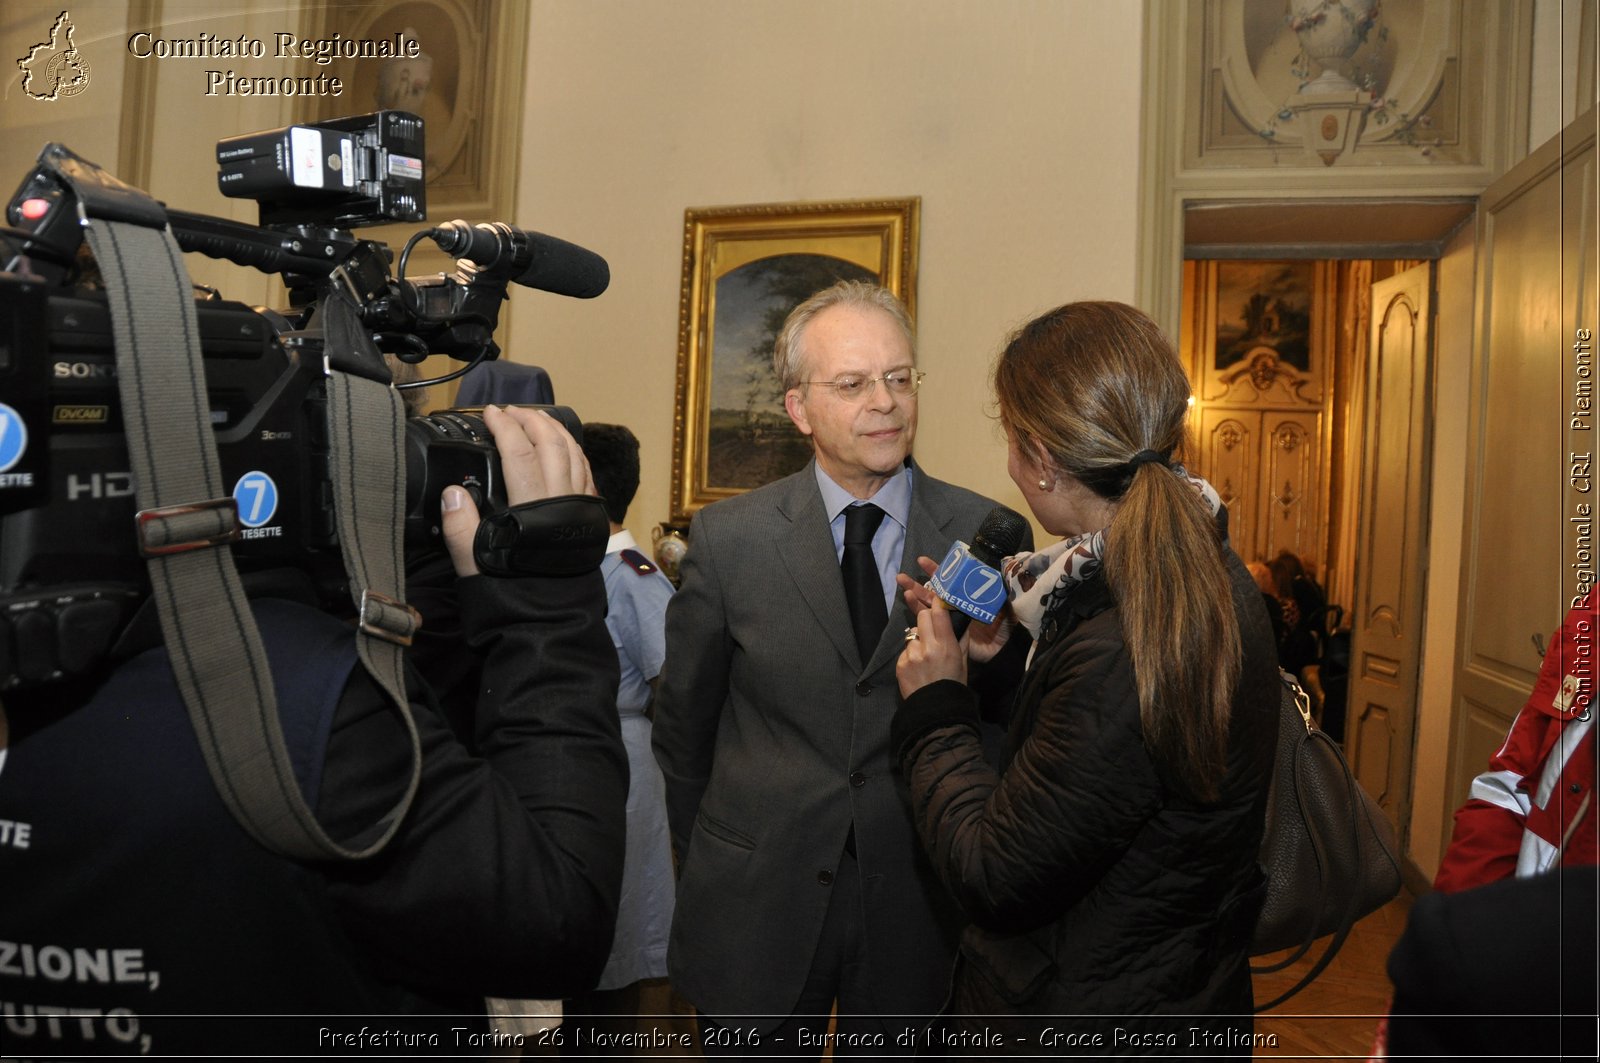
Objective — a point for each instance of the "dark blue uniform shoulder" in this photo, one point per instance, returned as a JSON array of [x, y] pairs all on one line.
[[638, 562]]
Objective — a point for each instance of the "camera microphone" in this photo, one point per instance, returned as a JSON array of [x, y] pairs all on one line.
[[531, 259]]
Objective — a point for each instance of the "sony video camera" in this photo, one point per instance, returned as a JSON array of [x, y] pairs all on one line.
[[70, 575]]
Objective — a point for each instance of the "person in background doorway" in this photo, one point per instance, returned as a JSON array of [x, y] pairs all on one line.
[[1305, 612], [1269, 597]]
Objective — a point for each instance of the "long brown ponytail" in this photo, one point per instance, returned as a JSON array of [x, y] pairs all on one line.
[[1096, 384]]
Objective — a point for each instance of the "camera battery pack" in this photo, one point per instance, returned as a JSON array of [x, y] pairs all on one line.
[[288, 161], [345, 172]]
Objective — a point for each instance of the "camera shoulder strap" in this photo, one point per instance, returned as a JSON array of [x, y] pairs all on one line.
[[186, 519], [366, 436]]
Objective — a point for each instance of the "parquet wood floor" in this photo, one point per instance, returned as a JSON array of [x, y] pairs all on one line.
[[1336, 1016]]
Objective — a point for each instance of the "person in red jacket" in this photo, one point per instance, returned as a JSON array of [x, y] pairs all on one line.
[[1512, 915], [1533, 809]]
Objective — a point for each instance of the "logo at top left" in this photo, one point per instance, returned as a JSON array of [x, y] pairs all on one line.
[[55, 69]]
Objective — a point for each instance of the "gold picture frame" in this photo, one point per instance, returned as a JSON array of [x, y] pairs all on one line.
[[744, 269]]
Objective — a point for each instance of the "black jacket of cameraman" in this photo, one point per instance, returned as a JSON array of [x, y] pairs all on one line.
[[133, 899]]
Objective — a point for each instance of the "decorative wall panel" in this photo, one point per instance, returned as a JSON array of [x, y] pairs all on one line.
[[1325, 82]]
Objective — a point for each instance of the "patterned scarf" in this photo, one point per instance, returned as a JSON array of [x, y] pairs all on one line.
[[1038, 582]]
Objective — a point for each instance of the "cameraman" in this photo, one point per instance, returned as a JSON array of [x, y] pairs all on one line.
[[139, 918]]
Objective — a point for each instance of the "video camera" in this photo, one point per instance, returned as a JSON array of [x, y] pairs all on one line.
[[69, 576]]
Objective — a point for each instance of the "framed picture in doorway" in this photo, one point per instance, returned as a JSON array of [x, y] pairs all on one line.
[[744, 269], [1263, 305]]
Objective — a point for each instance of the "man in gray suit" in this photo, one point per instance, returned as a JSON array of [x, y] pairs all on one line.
[[801, 881]]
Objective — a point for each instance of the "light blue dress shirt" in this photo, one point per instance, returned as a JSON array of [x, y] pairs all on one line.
[[889, 541]]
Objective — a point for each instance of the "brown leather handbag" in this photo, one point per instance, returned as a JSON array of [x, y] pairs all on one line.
[[1329, 852]]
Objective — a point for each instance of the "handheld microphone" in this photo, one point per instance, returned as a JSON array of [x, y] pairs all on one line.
[[533, 260], [969, 582]]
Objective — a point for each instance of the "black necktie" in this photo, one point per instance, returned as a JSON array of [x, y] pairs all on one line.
[[863, 590]]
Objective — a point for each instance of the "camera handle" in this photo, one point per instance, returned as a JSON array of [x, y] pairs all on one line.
[[458, 314], [268, 250], [209, 632]]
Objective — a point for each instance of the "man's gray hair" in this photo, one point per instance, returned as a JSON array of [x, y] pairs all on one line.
[[788, 354]]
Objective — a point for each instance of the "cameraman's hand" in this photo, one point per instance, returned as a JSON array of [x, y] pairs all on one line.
[[538, 459]]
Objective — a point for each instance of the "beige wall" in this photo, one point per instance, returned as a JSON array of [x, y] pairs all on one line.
[[1016, 122]]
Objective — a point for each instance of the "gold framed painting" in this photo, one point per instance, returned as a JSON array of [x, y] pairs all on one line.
[[744, 269], [1258, 331]]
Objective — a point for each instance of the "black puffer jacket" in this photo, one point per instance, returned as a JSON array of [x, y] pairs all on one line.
[[1094, 888]]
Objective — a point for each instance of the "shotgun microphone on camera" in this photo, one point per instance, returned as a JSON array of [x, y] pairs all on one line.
[[531, 259]]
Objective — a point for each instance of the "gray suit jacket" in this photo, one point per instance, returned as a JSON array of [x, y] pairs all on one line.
[[773, 737]]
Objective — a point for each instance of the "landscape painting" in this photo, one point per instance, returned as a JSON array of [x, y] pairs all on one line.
[[1264, 304], [750, 440]]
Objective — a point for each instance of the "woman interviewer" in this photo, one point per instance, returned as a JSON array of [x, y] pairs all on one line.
[[1109, 868]]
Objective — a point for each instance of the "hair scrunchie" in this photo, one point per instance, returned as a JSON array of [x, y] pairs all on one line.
[[1145, 457]]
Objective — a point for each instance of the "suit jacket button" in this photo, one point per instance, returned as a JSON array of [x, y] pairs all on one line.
[[863, 688], [858, 778], [825, 877]]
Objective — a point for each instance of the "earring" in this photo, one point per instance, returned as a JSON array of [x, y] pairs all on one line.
[[1045, 485]]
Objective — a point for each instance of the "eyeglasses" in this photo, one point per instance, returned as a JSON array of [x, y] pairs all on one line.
[[853, 387]]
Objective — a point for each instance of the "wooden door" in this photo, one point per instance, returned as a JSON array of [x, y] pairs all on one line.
[[1294, 485], [1267, 467], [1532, 411], [1386, 619]]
